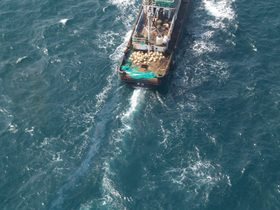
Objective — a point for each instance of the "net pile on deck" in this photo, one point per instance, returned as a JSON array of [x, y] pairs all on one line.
[[138, 58]]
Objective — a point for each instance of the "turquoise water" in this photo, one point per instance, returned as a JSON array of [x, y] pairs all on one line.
[[74, 137]]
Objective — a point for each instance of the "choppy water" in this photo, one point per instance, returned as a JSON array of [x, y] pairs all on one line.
[[73, 137]]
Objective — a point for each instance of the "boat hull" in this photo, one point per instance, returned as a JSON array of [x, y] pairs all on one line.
[[159, 81], [150, 83]]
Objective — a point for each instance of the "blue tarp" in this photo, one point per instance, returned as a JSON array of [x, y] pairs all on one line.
[[137, 74]]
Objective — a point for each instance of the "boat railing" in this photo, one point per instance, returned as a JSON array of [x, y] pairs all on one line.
[[174, 19], [141, 40], [140, 20], [161, 3], [172, 25], [149, 2]]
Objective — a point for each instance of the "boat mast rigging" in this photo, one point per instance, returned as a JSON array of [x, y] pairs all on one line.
[[150, 13]]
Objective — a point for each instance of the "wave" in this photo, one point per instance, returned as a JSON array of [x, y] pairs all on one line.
[[122, 4], [111, 197], [222, 17], [63, 21], [118, 53], [115, 57], [134, 101], [128, 12], [221, 9], [197, 179], [200, 171], [212, 28], [6, 120], [103, 110], [20, 59]]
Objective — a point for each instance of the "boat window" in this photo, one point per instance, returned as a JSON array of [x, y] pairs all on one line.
[[165, 13], [160, 14]]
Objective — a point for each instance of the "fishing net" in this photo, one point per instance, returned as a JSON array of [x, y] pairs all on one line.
[[131, 71]]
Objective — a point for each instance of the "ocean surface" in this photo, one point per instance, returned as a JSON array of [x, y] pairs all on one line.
[[72, 136]]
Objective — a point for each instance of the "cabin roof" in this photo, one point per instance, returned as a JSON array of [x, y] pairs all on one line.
[[160, 3]]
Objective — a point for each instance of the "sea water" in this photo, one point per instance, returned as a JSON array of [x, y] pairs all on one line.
[[74, 137]]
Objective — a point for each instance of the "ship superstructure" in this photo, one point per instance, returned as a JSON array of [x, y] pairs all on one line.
[[149, 54], [155, 25]]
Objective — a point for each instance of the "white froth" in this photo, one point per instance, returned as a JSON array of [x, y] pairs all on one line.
[[102, 96], [161, 101], [20, 59], [254, 47], [198, 176], [106, 40], [166, 134], [13, 128], [63, 21], [128, 12], [118, 53], [220, 9], [30, 131], [224, 17], [122, 3], [110, 194], [57, 157], [202, 46], [46, 51], [134, 101], [94, 147]]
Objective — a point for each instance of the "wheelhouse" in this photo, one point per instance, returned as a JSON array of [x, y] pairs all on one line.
[[155, 25]]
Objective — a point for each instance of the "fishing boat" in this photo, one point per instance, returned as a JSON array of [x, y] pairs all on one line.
[[150, 52]]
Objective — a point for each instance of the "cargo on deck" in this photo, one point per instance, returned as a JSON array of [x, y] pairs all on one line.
[[149, 54]]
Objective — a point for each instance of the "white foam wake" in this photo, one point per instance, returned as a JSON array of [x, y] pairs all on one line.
[[127, 117], [220, 9], [103, 110], [115, 56], [122, 3], [134, 101], [213, 25], [198, 179], [128, 12], [118, 53], [221, 16], [111, 197]]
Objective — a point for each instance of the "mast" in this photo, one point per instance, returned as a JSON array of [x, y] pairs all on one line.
[[149, 27]]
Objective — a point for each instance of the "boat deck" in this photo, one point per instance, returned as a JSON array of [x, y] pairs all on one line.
[[148, 62], [144, 69], [158, 28]]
